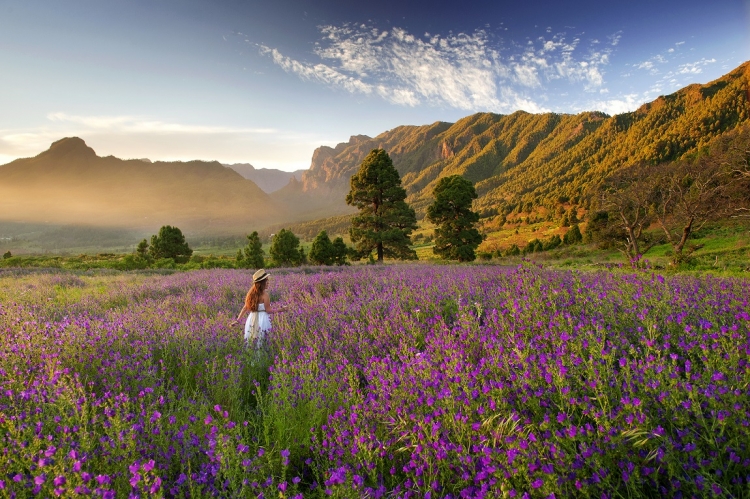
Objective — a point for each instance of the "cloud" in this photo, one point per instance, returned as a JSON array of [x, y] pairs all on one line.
[[467, 71], [651, 64], [623, 104], [694, 68], [136, 124]]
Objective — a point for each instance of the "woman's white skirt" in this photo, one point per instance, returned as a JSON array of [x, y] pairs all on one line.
[[256, 327]]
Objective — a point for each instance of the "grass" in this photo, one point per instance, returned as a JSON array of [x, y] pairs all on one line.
[[721, 248]]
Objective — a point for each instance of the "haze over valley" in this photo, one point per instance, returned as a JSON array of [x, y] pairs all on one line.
[[516, 158]]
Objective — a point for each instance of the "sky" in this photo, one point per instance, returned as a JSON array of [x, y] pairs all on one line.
[[267, 82]]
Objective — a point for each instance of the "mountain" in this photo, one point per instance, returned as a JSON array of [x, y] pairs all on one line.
[[268, 179], [540, 160], [530, 158], [70, 184]]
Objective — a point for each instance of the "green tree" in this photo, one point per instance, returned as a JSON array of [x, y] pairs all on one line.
[[321, 252], [456, 238], [285, 250], [340, 251], [169, 243], [573, 236], [142, 249], [252, 255], [385, 221]]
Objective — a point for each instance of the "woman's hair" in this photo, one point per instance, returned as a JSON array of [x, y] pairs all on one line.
[[254, 295]]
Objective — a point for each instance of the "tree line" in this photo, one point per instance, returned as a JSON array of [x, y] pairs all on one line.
[[677, 197], [381, 229]]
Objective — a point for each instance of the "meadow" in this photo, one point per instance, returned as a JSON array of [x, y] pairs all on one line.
[[419, 381]]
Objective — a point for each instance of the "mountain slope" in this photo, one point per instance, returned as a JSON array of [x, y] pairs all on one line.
[[268, 179], [532, 158], [70, 184]]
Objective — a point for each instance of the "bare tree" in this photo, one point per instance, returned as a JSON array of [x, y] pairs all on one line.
[[687, 195], [736, 157], [628, 196]]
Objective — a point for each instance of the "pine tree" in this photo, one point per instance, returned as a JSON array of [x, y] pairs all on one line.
[[573, 236], [321, 252], [142, 249], [252, 254], [455, 235], [385, 221], [169, 243], [285, 250], [340, 251]]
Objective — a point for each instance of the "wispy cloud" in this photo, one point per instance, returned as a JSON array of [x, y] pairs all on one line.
[[622, 104], [138, 124], [694, 68], [473, 72]]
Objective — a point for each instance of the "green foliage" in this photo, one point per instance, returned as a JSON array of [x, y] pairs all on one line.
[[552, 243], [455, 235], [325, 252], [513, 250], [573, 236], [385, 221], [142, 249], [252, 255], [552, 159], [169, 243], [533, 246], [285, 250], [7, 255], [599, 230], [573, 216], [340, 251], [321, 252]]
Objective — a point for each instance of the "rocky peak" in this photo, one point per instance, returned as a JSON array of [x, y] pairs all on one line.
[[445, 151], [70, 148]]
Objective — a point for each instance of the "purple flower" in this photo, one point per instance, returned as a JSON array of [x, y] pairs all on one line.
[[155, 486]]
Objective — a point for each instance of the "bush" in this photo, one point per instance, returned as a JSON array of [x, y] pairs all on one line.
[[573, 236]]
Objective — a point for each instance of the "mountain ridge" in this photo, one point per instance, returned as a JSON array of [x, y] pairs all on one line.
[[513, 159], [69, 183], [534, 158], [268, 179]]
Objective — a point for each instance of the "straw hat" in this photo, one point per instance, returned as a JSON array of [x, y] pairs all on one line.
[[260, 275]]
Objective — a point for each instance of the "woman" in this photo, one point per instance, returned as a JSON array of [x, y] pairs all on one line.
[[258, 307]]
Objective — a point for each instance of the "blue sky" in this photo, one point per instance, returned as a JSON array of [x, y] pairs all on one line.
[[268, 82]]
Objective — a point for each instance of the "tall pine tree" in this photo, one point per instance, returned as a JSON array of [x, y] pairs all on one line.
[[252, 254], [455, 235], [385, 221]]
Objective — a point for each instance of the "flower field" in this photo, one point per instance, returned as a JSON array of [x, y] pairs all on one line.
[[395, 381]]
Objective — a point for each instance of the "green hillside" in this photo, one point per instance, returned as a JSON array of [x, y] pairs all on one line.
[[535, 159]]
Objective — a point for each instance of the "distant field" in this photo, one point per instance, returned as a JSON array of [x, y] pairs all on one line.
[[723, 248]]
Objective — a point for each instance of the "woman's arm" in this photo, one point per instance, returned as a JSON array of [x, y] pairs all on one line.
[[267, 305], [244, 307]]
